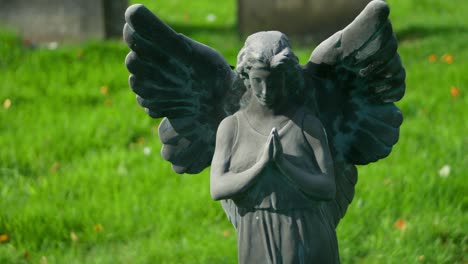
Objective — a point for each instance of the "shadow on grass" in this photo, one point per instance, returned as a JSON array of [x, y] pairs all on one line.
[[420, 31]]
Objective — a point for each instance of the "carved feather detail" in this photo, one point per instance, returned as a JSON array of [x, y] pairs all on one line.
[[357, 75], [183, 81]]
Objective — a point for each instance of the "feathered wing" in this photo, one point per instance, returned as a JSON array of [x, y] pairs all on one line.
[[354, 78], [184, 81]]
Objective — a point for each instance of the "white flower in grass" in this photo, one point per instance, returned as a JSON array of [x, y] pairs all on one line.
[[444, 172], [146, 151], [52, 45], [211, 18]]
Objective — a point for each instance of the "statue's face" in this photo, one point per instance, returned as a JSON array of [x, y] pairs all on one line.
[[267, 88]]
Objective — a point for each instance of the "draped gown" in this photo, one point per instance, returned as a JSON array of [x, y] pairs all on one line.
[[277, 222]]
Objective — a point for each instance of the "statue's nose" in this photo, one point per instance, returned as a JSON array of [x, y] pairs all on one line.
[[264, 88]]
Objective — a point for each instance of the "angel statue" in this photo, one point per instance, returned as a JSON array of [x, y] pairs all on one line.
[[282, 139]]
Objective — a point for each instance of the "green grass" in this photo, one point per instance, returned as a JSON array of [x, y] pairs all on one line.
[[72, 158]]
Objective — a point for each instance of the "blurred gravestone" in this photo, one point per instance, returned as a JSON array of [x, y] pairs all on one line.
[[316, 18], [114, 19], [64, 20]]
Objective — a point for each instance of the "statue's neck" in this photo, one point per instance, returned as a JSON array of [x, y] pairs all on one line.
[[259, 111], [264, 118], [284, 108]]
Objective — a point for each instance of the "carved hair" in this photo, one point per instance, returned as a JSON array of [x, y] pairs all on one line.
[[269, 50]]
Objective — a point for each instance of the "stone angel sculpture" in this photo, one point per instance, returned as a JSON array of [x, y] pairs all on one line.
[[283, 139]]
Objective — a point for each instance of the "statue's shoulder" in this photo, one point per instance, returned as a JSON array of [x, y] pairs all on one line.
[[310, 122], [229, 124]]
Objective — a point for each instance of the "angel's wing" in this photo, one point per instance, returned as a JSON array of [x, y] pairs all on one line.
[[188, 83], [356, 76]]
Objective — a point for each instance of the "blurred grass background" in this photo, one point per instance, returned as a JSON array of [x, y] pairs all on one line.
[[82, 181]]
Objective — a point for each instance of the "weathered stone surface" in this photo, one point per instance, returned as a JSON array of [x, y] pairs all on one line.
[[283, 162], [63, 20], [317, 18]]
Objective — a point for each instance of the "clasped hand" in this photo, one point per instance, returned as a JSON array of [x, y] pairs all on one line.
[[273, 150]]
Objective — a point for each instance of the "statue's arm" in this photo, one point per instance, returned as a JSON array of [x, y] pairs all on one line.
[[225, 184], [319, 184]]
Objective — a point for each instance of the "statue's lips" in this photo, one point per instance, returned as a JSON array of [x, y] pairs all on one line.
[[265, 100]]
